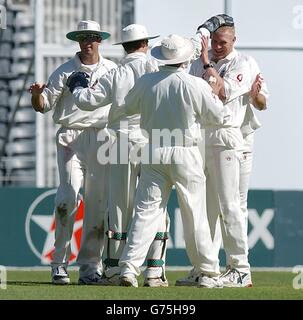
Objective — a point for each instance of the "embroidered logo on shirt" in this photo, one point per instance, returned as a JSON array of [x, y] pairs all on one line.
[[240, 77]]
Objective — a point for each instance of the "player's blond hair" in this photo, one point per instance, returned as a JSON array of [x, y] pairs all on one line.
[[226, 28]]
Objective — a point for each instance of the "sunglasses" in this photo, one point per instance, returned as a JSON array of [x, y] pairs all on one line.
[[88, 37]]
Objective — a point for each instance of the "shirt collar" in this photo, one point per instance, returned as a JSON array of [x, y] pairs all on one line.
[[171, 69], [132, 56], [82, 66]]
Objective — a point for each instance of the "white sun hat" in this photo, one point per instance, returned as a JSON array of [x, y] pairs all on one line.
[[134, 32], [173, 49], [87, 27]]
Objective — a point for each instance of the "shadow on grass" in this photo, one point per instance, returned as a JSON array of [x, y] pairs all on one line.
[[34, 283]]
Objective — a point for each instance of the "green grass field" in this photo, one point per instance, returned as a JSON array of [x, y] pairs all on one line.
[[36, 285]]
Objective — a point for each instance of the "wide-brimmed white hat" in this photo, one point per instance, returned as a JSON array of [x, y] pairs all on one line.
[[87, 27], [134, 32], [173, 49]]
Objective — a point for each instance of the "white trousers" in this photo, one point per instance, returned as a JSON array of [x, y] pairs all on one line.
[[78, 167], [153, 193], [224, 205], [123, 181], [246, 163]]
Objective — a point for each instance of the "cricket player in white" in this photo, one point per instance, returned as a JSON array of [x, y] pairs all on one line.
[[77, 147], [248, 128], [174, 101], [124, 173], [235, 74]]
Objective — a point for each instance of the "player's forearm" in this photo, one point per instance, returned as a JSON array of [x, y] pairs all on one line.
[[87, 100], [38, 103]]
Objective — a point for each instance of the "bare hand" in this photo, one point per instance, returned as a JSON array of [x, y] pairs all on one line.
[[37, 99], [212, 81], [36, 88], [256, 86], [204, 50]]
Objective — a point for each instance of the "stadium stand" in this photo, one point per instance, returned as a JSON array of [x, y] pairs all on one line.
[[20, 148], [17, 119]]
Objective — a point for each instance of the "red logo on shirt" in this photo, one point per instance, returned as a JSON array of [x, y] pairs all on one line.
[[240, 77]]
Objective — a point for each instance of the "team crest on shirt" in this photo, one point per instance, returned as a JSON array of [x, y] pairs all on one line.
[[240, 77]]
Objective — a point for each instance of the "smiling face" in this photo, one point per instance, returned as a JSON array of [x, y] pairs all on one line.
[[222, 42]]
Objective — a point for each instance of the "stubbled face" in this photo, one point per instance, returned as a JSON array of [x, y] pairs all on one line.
[[89, 45], [222, 43]]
